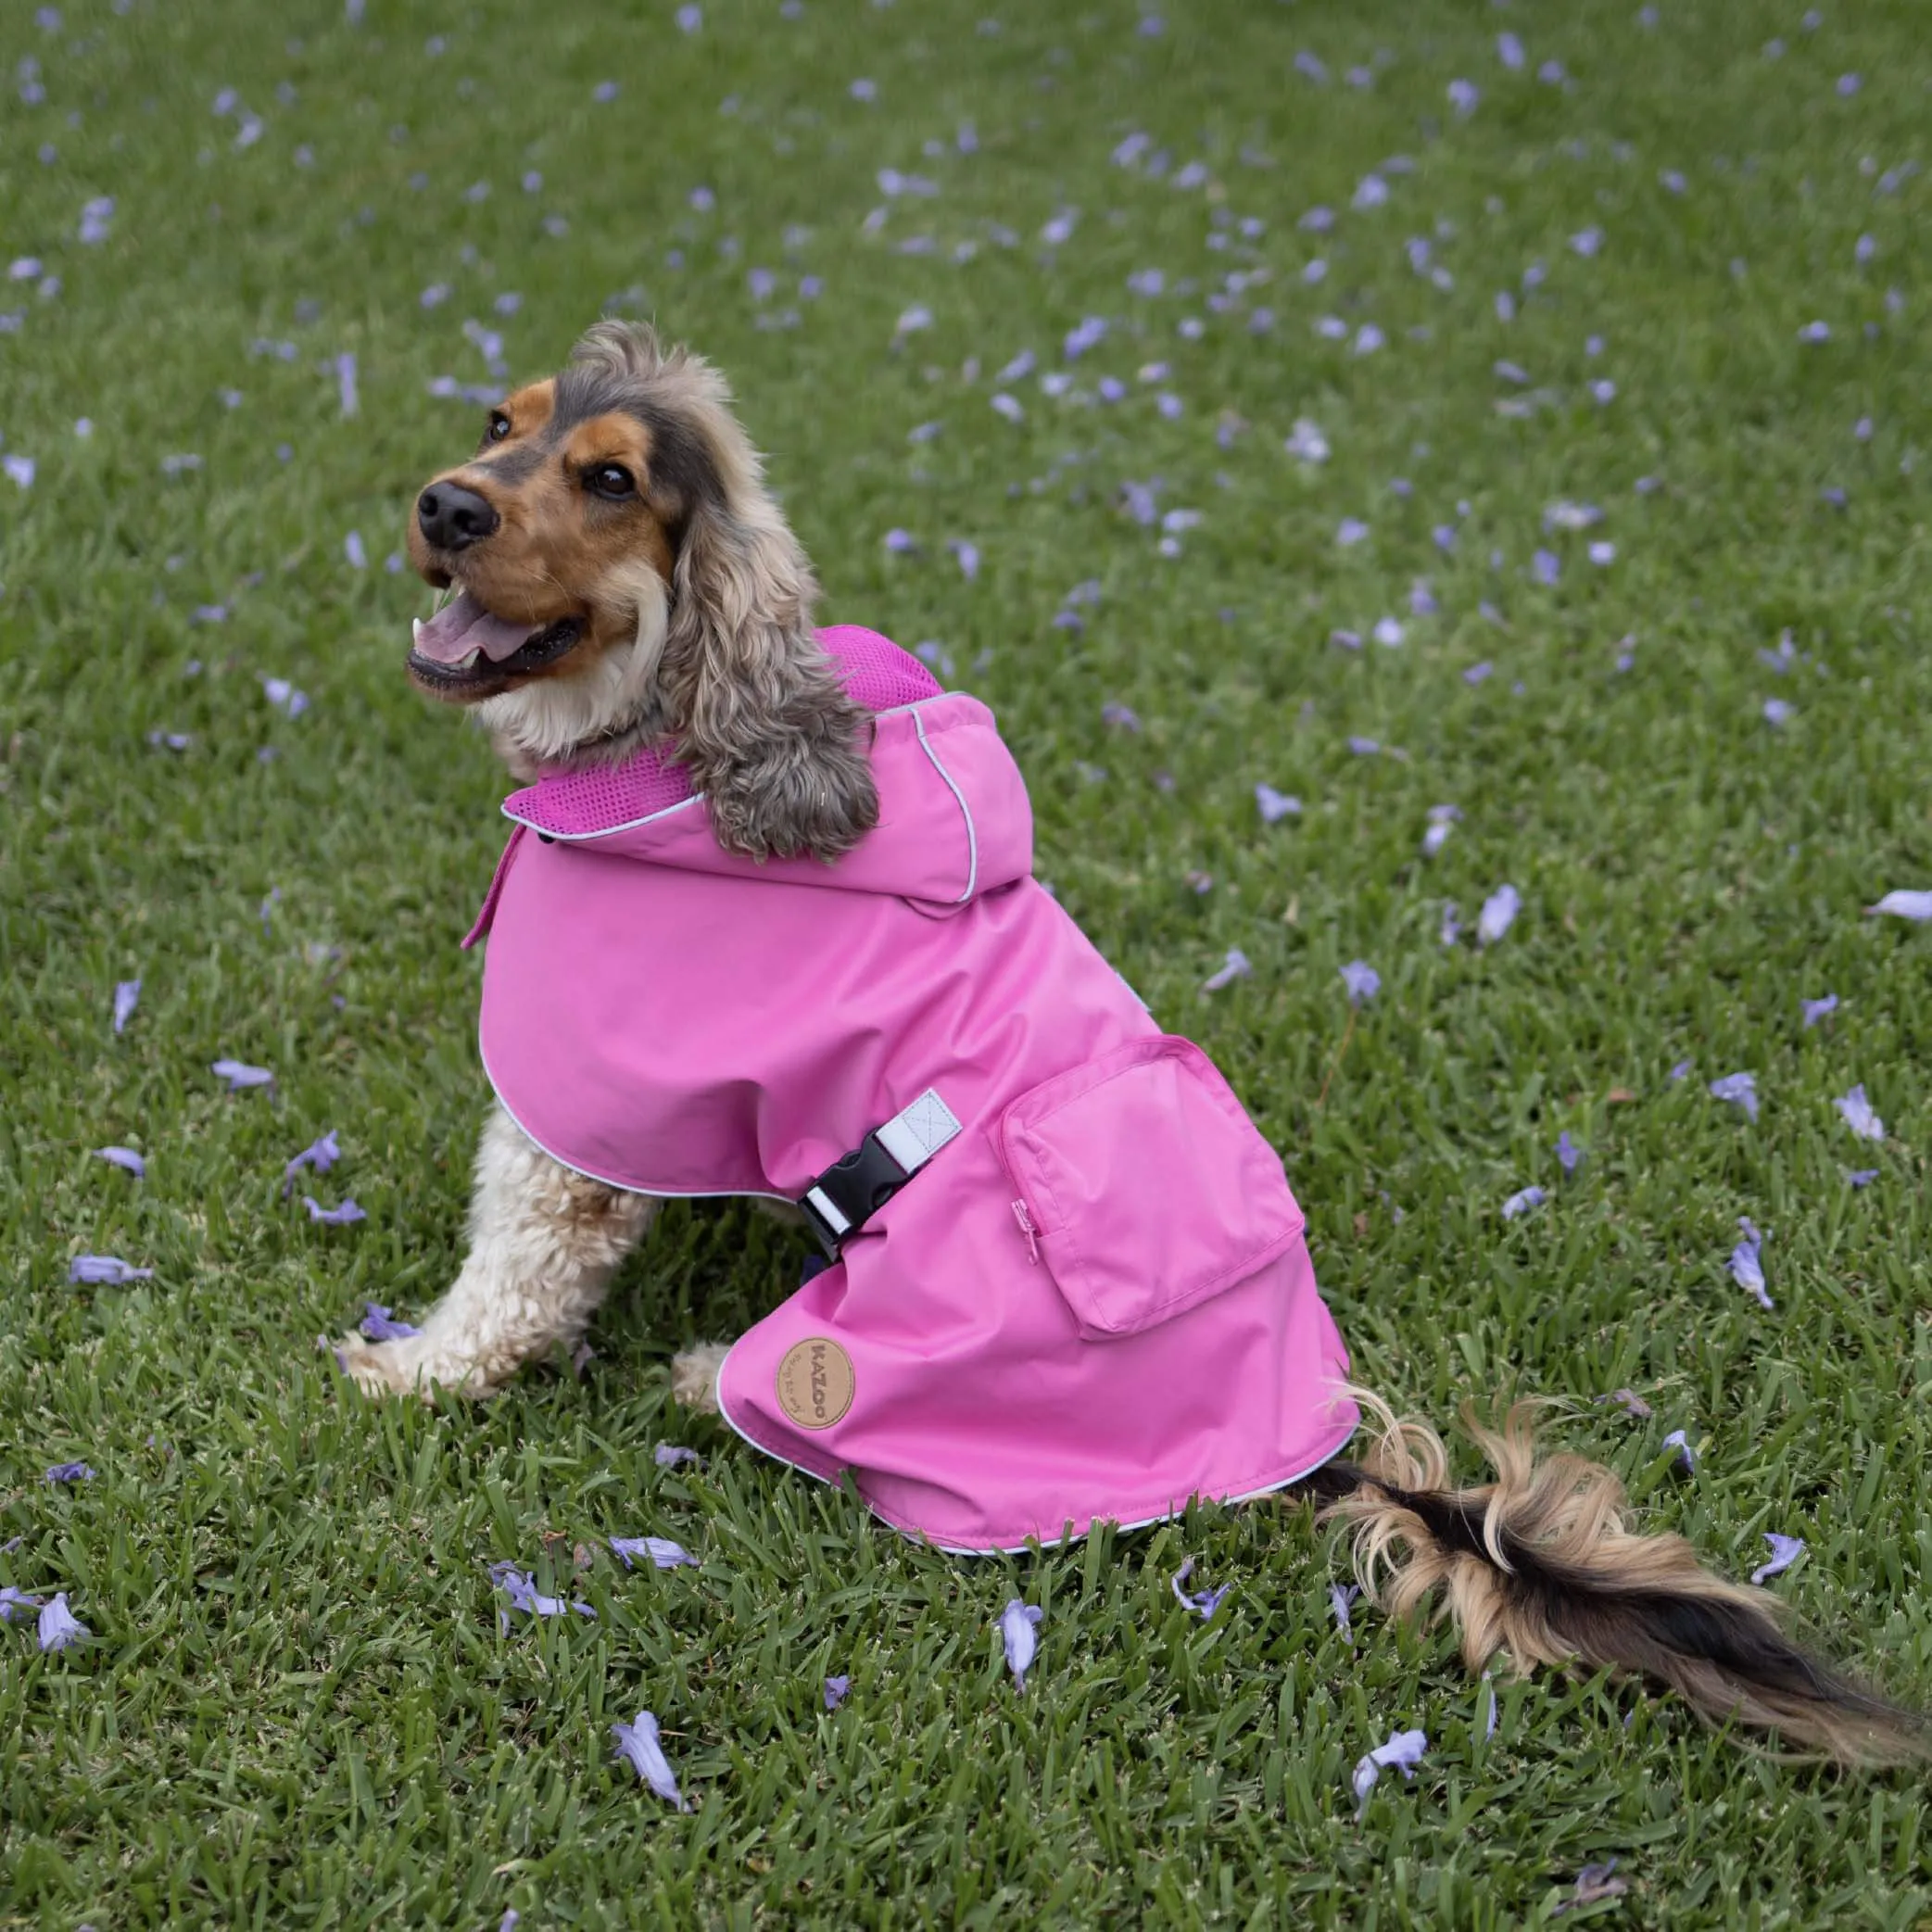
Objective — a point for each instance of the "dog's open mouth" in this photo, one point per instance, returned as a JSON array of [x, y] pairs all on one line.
[[463, 647]]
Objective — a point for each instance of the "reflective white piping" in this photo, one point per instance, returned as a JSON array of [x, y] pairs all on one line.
[[696, 798], [966, 810]]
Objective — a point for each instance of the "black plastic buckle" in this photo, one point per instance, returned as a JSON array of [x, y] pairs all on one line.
[[855, 1187]]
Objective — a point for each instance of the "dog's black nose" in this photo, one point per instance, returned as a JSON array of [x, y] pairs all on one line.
[[453, 518]]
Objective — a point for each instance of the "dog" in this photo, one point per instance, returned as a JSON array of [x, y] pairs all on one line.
[[631, 621]]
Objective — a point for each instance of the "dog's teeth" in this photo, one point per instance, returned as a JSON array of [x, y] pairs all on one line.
[[469, 659], [415, 630]]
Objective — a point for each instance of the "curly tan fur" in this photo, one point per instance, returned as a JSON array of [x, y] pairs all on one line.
[[1543, 1564]]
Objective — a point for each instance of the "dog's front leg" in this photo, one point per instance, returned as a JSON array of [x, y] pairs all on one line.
[[544, 1241]]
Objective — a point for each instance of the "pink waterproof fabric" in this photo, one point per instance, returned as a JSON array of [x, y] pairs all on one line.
[[1094, 1303]]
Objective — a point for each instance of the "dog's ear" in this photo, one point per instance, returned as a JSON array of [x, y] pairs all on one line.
[[765, 725]]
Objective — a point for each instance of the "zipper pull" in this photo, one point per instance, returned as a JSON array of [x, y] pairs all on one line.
[[1028, 1229]]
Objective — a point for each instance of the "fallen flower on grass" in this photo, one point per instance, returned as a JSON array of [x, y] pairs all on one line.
[[1452, 924], [1904, 905], [1859, 1115], [346, 1215], [1863, 1177], [1740, 1090], [662, 1551], [1677, 1440], [1203, 1603], [124, 1157], [1236, 966], [1275, 805], [638, 1743], [1341, 1598], [1815, 1010], [104, 1270], [240, 1075], [1747, 1270], [1442, 822], [669, 1455], [59, 1627], [1785, 1551], [1499, 914], [127, 996], [1629, 1401], [1594, 1884], [1569, 1155], [320, 1154], [68, 1473], [1521, 1202], [1403, 1752], [1018, 1621], [525, 1596], [378, 1326], [836, 1691], [15, 1602], [1362, 982]]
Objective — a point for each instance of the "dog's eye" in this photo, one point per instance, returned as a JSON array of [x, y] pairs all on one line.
[[611, 480], [498, 427]]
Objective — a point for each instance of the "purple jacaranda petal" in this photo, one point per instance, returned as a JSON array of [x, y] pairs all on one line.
[[967, 554], [1815, 1010], [1747, 1269], [68, 1473], [1499, 914], [1476, 673], [1308, 442], [1236, 966], [1463, 96], [1341, 1598], [637, 1744], [346, 1215], [1365, 747], [1815, 331], [1785, 1551], [1629, 1401], [1274, 805], [1863, 1177], [1350, 530], [1387, 631], [123, 1157], [1859, 1115], [240, 1076], [1777, 712], [1680, 1071], [59, 1627], [1402, 1753], [104, 1270], [1509, 50], [1740, 1090], [379, 1326], [1594, 1884], [1904, 905], [1017, 1628], [1203, 1603], [1362, 982], [1442, 822], [15, 1602], [1548, 566], [662, 1551], [1677, 1440], [127, 996], [1122, 718], [1568, 1152], [523, 1594], [837, 1689], [510, 1921], [320, 1154], [581, 1356], [669, 1455], [1520, 1202], [1452, 924]]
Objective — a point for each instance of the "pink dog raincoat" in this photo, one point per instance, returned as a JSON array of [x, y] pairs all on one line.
[[1089, 1300]]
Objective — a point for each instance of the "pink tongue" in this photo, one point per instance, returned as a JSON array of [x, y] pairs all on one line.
[[463, 626]]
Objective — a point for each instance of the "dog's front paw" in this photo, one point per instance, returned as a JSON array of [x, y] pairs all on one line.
[[404, 1367]]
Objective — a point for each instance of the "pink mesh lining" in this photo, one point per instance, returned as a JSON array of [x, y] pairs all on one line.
[[571, 804]]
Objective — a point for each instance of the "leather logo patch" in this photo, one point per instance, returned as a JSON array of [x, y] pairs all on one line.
[[816, 1382]]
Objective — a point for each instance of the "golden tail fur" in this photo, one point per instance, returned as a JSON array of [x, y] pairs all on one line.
[[1542, 1564]]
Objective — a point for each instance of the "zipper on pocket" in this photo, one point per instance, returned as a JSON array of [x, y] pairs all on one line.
[[1028, 1229]]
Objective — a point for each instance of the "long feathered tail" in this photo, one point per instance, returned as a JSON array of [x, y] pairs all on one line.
[[1542, 1564]]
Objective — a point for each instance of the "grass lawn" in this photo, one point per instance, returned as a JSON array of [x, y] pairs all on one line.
[[1586, 284]]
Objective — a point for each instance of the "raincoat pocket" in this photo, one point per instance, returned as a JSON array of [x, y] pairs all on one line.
[[1143, 1186]]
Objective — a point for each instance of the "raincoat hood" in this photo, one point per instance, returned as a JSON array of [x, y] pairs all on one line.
[[1090, 1298]]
